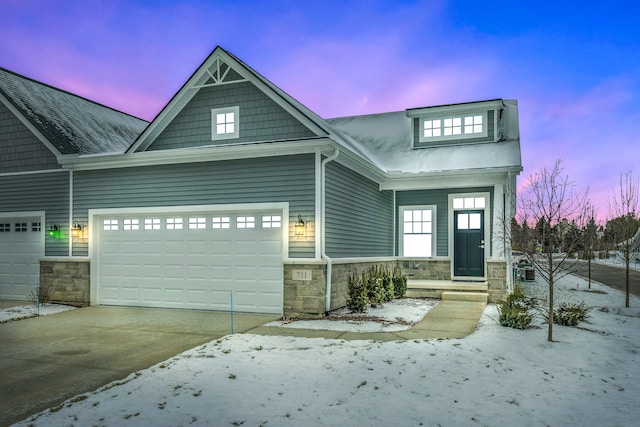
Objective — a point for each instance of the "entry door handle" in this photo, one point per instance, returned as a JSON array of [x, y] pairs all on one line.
[[481, 244]]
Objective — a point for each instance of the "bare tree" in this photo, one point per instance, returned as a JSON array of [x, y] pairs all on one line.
[[589, 231], [546, 205], [624, 206]]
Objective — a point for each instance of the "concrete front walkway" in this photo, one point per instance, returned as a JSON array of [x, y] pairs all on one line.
[[449, 319]]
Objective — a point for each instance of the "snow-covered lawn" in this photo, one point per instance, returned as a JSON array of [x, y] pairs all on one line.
[[496, 376], [26, 311]]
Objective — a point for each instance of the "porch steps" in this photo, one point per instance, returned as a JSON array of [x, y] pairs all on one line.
[[448, 290]]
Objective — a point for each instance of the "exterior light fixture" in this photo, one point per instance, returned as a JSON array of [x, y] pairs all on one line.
[[300, 227], [76, 229], [53, 231]]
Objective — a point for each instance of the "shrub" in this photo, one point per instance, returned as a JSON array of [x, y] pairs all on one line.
[[40, 295], [569, 314], [387, 285], [399, 283], [517, 310], [374, 287], [375, 290], [357, 300]]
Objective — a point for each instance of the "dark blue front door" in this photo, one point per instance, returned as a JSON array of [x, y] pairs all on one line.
[[468, 243]]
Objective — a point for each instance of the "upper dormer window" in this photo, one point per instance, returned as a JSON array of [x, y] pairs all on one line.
[[453, 127], [224, 123], [455, 124]]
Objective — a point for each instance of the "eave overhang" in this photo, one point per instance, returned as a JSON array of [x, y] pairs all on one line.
[[449, 179]]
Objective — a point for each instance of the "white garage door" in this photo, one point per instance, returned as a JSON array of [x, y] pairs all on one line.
[[192, 260], [21, 246]]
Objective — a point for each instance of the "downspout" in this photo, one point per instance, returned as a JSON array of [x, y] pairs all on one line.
[[323, 234], [70, 212]]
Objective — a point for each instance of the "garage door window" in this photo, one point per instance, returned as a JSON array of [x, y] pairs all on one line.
[[110, 224], [271, 221], [21, 227], [131, 224], [152, 223], [174, 223], [246, 222], [197, 223], [5, 228], [35, 226], [220, 222]]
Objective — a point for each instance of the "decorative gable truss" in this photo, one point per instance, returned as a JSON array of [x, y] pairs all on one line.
[[226, 102], [220, 73]]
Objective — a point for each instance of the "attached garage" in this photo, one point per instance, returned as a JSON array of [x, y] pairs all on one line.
[[21, 246], [185, 258]]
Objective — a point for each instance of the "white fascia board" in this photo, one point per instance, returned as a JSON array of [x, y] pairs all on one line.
[[456, 108], [457, 179], [30, 126], [198, 154]]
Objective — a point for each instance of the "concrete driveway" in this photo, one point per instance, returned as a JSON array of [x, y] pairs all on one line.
[[46, 360]]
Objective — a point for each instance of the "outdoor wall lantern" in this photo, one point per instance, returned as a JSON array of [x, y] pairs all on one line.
[[76, 229], [53, 231], [300, 227]]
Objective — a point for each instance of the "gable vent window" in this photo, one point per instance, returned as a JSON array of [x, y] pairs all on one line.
[[224, 123]]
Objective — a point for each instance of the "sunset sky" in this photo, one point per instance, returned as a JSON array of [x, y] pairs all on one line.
[[574, 67]]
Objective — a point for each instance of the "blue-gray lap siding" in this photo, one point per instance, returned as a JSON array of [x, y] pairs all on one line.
[[48, 192], [359, 217], [260, 119], [440, 198], [259, 180], [20, 150]]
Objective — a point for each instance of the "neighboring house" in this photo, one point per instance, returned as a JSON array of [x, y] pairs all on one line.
[[237, 192]]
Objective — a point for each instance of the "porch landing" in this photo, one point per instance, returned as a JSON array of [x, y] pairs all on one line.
[[448, 290]]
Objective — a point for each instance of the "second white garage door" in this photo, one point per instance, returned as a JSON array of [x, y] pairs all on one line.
[[21, 246], [204, 260]]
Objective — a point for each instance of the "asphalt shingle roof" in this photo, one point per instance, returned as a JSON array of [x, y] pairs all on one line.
[[74, 125]]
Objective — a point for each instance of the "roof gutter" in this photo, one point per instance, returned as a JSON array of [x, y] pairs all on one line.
[[324, 223]]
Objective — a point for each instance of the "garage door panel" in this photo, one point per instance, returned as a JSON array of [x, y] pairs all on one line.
[[21, 246], [191, 268]]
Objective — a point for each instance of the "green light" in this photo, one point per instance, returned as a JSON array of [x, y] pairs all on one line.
[[54, 231]]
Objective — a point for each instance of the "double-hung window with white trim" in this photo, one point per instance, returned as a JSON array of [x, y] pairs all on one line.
[[418, 231]]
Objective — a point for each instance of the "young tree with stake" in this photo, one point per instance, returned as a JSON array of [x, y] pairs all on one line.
[[624, 206], [546, 205]]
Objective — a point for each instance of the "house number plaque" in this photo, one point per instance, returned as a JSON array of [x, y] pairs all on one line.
[[301, 275]]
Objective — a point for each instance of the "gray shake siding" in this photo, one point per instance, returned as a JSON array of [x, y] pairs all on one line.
[[20, 150], [261, 180], [440, 198], [260, 119], [47, 192], [358, 215]]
